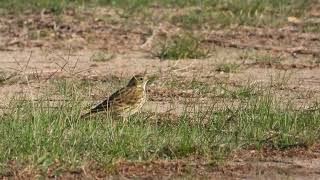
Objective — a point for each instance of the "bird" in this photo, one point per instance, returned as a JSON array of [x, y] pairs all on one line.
[[126, 101]]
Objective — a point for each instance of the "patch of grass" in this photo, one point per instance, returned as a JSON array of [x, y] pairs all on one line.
[[100, 56], [311, 27], [58, 6], [257, 57], [224, 13], [39, 135], [227, 67], [194, 19], [258, 13], [181, 47], [209, 13], [251, 90], [55, 6], [267, 58], [281, 80]]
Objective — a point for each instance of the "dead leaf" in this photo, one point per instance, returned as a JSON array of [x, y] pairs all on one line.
[[294, 20]]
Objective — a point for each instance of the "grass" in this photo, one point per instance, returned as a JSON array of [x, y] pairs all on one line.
[[181, 47], [259, 13], [257, 57], [101, 56], [56, 6], [210, 13], [34, 133], [194, 19], [260, 58], [227, 67], [242, 93], [311, 27]]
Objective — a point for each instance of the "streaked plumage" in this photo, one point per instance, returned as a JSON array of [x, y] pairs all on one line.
[[126, 101]]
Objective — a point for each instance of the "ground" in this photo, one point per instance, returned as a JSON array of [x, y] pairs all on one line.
[[229, 66]]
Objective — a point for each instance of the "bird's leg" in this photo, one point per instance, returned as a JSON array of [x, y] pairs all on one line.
[[124, 123], [125, 119]]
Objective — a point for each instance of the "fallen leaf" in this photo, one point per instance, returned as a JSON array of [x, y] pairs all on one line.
[[294, 20]]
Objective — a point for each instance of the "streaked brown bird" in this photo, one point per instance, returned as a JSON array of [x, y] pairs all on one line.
[[126, 101]]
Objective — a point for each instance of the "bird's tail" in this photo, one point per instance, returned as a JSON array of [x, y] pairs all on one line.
[[85, 115]]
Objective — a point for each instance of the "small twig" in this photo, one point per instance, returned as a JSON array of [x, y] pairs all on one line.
[[51, 75], [15, 60], [28, 61], [38, 75], [62, 68], [75, 65]]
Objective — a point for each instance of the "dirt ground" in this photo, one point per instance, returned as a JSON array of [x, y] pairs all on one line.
[[28, 64]]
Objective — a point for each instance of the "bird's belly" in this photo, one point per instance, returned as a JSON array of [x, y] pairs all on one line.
[[130, 110]]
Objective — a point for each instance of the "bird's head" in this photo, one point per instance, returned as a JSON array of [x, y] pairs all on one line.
[[139, 80]]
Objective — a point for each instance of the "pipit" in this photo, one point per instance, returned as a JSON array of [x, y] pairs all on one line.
[[126, 101]]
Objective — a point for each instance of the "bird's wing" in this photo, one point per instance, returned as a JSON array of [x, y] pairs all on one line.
[[106, 104]]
